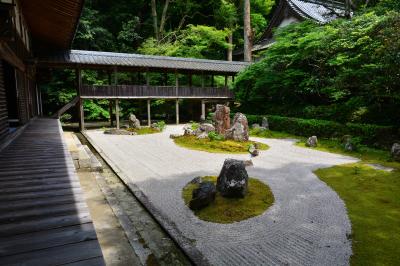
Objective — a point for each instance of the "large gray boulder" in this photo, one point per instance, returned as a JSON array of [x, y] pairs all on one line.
[[222, 119], [233, 179], [395, 152], [203, 196], [134, 122], [312, 142], [240, 128]]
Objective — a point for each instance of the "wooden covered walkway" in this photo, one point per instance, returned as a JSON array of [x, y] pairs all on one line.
[[44, 219]]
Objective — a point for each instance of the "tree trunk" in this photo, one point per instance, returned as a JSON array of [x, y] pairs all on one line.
[[163, 19], [247, 32], [230, 49], [155, 20]]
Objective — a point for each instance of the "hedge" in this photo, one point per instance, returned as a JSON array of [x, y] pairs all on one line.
[[379, 136]]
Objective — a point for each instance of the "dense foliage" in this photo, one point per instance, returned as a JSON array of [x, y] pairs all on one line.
[[346, 71]]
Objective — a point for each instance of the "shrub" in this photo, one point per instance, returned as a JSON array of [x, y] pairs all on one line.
[[212, 135], [379, 136], [161, 125], [194, 125]]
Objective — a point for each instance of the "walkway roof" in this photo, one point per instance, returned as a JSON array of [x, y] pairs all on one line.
[[138, 62]]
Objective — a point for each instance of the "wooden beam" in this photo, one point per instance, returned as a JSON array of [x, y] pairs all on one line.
[[110, 105], [81, 112], [226, 81], [177, 84]]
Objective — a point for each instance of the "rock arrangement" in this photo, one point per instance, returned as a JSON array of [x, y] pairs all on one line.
[[155, 126], [233, 179], [203, 196], [240, 129], [115, 131], [201, 132], [312, 142], [395, 152], [134, 122], [222, 119]]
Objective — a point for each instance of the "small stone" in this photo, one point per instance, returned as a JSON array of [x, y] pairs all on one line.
[[255, 126], [265, 123], [395, 152], [188, 131], [203, 196], [174, 136], [203, 135], [248, 163], [349, 146], [233, 179], [154, 126], [253, 150], [312, 141], [207, 127]]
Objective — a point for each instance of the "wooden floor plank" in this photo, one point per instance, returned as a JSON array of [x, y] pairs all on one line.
[[44, 219], [56, 255]]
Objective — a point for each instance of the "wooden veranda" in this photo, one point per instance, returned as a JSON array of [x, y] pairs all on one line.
[[44, 219]]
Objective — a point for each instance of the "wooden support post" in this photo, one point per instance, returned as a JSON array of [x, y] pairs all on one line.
[[176, 84], [110, 105], [233, 78], [177, 111], [226, 81], [203, 110], [148, 112], [117, 112], [81, 115], [202, 80], [212, 81], [190, 80]]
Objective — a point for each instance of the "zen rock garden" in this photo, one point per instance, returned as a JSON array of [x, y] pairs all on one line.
[[134, 128]]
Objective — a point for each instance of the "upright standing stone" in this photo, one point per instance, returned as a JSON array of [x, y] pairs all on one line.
[[240, 129], [134, 122], [233, 179], [265, 123], [312, 142], [222, 119], [396, 152]]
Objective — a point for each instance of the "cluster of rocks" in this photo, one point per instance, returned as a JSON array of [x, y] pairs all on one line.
[[239, 131], [253, 150], [232, 182], [115, 131], [201, 132]]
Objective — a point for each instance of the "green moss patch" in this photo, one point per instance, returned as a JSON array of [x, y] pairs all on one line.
[[216, 146], [228, 210], [144, 130], [372, 199]]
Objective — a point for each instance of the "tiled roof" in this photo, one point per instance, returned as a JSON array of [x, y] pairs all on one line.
[[318, 10], [92, 58]]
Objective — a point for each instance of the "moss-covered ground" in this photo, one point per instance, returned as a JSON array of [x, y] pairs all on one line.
[[228, 210], [372, 198], [216, 146], [144, 130]]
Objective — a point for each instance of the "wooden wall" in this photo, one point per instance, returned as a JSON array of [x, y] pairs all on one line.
[[3, 105]]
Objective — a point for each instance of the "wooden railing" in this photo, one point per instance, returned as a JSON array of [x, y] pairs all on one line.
[[139, 91]]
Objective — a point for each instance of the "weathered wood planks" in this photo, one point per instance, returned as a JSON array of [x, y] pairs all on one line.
[[44, 219]]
